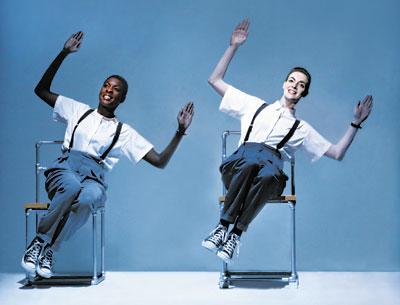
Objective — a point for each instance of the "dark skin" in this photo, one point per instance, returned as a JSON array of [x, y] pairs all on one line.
[[111, 95]]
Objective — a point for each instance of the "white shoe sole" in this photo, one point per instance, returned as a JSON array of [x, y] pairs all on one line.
[[28, 267], [209, 246], [44, 272], [222, 255]]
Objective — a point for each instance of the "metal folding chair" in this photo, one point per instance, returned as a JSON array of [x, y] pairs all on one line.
[[227, 276], [95, 276]]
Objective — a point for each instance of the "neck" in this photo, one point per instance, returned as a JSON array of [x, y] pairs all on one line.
[[108, 113], [288, 103]]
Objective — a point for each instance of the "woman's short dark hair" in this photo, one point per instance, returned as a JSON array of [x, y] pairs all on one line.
[[124, 84], [306, 73]]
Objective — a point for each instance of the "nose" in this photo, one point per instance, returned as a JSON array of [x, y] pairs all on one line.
[[108, 89]]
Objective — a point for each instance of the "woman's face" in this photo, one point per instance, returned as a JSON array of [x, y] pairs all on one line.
[[111, 93], [295, 85]]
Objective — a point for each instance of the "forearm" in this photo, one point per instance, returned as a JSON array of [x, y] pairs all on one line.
[[217, 76], [42, 89], [337, 151], [161, 160]]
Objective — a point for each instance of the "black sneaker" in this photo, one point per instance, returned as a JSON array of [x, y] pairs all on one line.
[[215, 239], [228, 248], [46, 260], [31, 255]]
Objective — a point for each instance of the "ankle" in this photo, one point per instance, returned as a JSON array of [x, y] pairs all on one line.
[[237, 231]]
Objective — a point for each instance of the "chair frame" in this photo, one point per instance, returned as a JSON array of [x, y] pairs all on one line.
[[93, 278], [290, 277]]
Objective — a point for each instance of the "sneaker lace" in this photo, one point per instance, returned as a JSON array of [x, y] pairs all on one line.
[[218, 234], [232, 243], [47, 260], [34, 251]]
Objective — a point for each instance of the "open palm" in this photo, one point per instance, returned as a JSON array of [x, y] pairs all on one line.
[[240, 33], [74, 42]]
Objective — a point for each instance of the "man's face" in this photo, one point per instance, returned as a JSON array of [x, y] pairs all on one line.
[[295, 85], [111, 93]]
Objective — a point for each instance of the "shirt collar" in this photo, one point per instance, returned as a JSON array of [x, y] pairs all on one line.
[[114, 119], [278, 106]]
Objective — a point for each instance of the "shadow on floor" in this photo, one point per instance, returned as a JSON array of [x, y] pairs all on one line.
[[257, 284]]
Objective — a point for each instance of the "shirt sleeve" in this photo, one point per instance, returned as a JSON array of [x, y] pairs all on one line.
[[314, 144], [136, 146], [237, 103], [67, 109]]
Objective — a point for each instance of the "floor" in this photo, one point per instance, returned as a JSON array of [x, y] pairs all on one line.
[[187, 288]]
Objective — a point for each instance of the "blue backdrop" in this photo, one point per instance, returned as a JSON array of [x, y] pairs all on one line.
[[348, 212]]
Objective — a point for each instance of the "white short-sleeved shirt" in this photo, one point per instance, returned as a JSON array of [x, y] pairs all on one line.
[[96, 132], [272, 124]]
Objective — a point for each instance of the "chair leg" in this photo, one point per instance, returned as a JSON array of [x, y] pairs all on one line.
[[102, 242], [94, 244], [293, 278]]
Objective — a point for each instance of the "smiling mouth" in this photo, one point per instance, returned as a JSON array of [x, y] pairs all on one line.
[[107, 98], [292, 91]]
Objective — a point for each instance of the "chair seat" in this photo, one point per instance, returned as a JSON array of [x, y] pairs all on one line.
[[36, 206]]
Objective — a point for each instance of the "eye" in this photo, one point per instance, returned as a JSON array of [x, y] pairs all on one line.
[[118, 89], [290, 80], [302, 85]]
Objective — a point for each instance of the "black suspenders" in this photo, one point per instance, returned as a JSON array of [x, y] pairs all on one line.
[[115, 139], [284, 140], [71, 143]]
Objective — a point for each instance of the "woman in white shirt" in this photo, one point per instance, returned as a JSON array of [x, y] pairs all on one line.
[[253, 174]]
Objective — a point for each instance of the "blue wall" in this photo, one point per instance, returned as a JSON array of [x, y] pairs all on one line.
[[348, 212]]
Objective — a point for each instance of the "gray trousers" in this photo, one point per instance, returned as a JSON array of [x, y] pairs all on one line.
[[75, 185], [251, 175]]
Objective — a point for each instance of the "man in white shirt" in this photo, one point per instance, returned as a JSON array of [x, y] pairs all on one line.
[[94, 142], [270, 134]]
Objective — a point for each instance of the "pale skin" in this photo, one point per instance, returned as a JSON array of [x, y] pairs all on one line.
[[111, 95], [293, 88]]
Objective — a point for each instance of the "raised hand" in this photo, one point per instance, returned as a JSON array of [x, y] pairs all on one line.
[[74, 42], [185, 116], [240, 33], [362, 110]]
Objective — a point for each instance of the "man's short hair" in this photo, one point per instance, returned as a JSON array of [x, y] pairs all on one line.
[[124, 84]]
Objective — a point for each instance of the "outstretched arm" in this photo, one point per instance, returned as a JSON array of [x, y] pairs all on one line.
[[160, 160], [42, 89], [238, 37], [361, 113]]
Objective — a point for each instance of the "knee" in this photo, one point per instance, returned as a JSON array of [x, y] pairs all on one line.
[[250, 167], [91, 197], [70, 188], [272, 184]]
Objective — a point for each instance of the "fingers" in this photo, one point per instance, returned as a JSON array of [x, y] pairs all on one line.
[[365, 107], [243, 28], [76, 39], [78, 35], [243, 25], [189, 108]]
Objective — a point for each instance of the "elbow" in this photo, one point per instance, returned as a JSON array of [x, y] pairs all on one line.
[[211, 81], [335, 153], [37, 90], [40, 91], [339, 156], [161, 165]]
